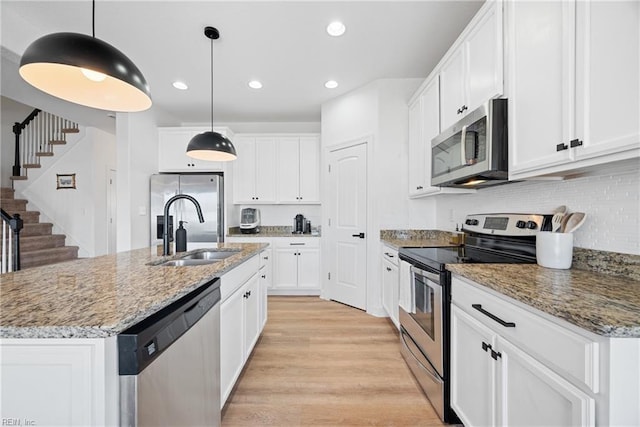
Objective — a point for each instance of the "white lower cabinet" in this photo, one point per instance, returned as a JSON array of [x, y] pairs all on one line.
[[296, 266], [265, 281], [390, 283], [497, 381], [240, 321]]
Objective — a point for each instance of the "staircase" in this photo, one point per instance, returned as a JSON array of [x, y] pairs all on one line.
[[36, 137], [38, 246]]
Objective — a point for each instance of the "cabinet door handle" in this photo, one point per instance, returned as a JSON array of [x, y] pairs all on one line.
[[495, 355], [561, 147], [575, 143], [265, 257], [459, 111], [486, 346], [264, 276], [389, 255], [464, 108], [419, 187], [493, 316], [388, 269]]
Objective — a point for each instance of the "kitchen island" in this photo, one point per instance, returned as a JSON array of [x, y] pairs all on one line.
[[59, 327]]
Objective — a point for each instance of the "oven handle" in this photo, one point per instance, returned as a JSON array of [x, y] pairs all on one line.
[[493, 316], [435, 278], [429, 370], [463, 146]]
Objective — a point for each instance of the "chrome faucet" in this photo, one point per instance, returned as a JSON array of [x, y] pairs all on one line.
[[165, 220]]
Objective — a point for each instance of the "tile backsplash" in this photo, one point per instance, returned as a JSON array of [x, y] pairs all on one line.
[[612, 203]]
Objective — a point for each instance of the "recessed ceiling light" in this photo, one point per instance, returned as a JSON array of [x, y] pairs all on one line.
[[255, 84], [336, 29], [331, 84], [180, 85]]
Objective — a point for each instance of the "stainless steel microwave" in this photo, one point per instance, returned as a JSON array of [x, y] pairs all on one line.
[[474, 152]]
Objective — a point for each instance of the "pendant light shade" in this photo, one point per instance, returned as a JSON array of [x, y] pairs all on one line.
[[85, 70], [211, 145]]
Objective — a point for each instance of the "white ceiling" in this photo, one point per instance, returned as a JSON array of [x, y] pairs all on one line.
[[282, 43]]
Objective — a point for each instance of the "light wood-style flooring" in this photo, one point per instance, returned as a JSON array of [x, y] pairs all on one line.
[[321, 363]]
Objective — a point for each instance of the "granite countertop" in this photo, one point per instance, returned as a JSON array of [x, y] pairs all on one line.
[[605, 304], [269, 231], [102, 296], [419, 238]]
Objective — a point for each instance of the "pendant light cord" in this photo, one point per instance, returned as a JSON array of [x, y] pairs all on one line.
[[93, 19], [211, 85]]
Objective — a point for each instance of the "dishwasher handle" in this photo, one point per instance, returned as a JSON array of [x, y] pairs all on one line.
[[142, 343]]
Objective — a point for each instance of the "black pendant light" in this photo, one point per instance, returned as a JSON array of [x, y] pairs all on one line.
[[85, 70], [211, 145]]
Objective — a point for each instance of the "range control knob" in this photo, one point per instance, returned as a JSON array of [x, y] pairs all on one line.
[[468, 222], [521, 224], [471, 222], [531, 225]]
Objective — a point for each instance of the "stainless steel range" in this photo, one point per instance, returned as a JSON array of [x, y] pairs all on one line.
[[425, 316]]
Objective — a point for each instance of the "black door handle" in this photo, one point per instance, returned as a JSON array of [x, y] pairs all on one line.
[[361, 235]]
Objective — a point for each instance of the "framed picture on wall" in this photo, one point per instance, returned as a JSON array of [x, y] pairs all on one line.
[[66, 181]]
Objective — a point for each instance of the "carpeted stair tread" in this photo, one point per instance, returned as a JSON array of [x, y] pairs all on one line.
[[47, 256]]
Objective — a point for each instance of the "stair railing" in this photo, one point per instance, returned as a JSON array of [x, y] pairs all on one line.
[[35, 137], [10, 257]]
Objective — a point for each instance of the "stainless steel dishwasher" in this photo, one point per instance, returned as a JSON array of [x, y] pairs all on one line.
[[169, 364]]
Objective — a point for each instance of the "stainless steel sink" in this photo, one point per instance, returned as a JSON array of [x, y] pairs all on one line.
[[187, 261], [210, 255]]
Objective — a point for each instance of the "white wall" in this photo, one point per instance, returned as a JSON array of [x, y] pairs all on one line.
[[376, 113], [137, 160], [80, 213], [611, 201]]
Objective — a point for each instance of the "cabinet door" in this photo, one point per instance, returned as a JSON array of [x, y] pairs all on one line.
[[288, 170], [265, 170], [285, 268], [416, 149], [541, 74], [452, 87], [390, 283], [310, 169], [607, 77], [309, 268], [531, 394], [232, 341], [244, 171], [430, 129], [472, 370], [483, 53], [251, 296]]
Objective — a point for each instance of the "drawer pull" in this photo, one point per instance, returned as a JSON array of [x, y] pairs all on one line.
[[389, 255], [296, 244], [493, 316]]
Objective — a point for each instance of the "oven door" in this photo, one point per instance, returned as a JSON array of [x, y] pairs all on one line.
[[423, 322]]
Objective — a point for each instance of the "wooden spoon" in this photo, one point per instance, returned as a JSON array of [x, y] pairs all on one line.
[[575, 221]]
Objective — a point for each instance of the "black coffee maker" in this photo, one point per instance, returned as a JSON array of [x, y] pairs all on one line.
[[298, 224]]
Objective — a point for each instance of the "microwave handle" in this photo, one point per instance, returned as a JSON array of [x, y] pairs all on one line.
[[463, 146]]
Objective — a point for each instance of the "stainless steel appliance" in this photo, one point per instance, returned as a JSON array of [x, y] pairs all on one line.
[[207, 189], [473, 153], [425, 317], [169, 364], [250, 221], [298, 224]]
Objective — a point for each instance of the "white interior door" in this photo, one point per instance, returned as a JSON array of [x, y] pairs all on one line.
[[347, 222]]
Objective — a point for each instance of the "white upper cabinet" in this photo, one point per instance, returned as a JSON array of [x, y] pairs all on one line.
[[299, 169], [254, 173], [172, 150], [472, 73], [573, 85]]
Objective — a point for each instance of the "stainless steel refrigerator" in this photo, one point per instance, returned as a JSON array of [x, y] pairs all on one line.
[[207, 189]]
